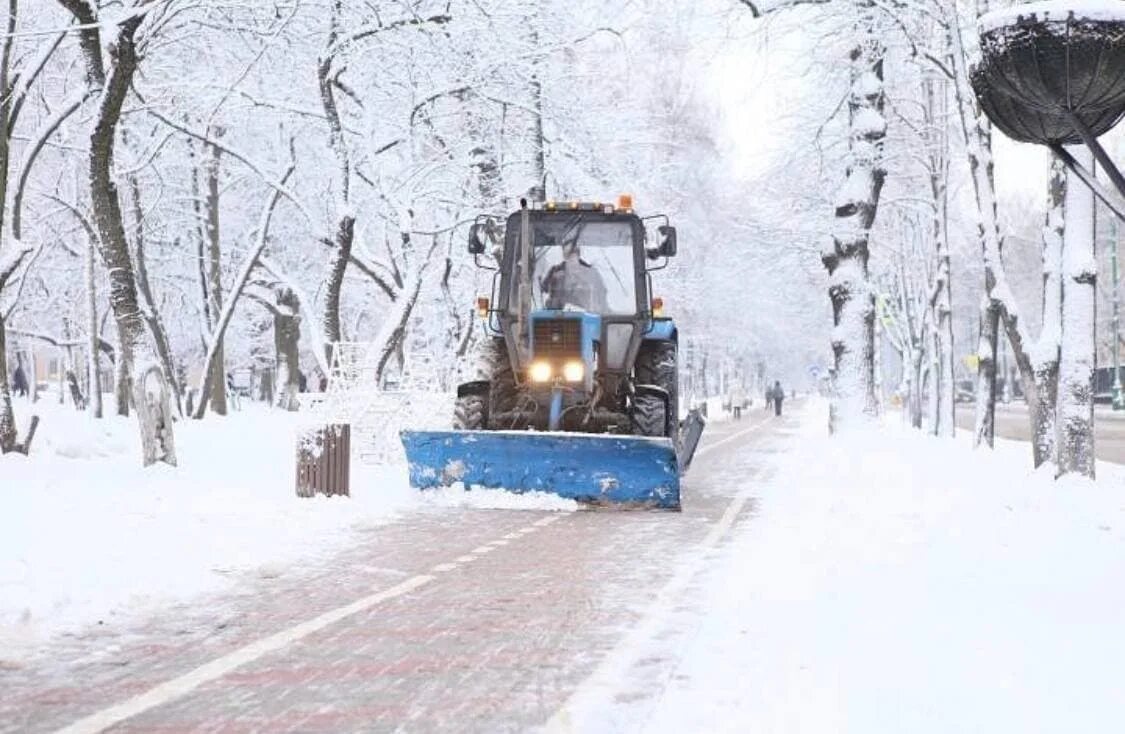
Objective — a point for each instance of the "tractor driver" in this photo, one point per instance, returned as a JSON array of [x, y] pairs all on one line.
[[574, 282]]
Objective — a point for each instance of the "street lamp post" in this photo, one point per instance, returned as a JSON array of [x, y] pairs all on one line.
[[1118, 398]]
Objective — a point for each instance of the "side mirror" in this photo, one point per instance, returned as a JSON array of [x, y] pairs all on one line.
[[667, 244], [476, 239]]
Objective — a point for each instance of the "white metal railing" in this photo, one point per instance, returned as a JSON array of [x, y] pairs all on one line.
[[377, 413]]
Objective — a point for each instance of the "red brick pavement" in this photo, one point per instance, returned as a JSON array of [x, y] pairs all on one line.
[[495, 644]]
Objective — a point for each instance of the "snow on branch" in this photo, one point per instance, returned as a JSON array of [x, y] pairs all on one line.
[[278, 186], [762, 7], [22, 85], [370, 30], [39, 140], [11, 262]]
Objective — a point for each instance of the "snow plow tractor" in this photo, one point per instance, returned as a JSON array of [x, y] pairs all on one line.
[[578, 391]]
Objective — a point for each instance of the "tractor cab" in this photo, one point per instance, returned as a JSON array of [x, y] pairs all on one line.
[[574, 289]]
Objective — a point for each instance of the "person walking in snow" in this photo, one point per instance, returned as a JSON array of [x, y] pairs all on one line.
[[778, 395], [19, 381], [737, 400]]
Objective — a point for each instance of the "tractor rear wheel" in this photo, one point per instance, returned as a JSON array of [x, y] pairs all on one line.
[[503, 395], [492, 392], [656, 365]]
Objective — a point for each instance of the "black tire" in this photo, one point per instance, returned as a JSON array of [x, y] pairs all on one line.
[[648, 415], [656, 365], [503, 395], [470, 413]]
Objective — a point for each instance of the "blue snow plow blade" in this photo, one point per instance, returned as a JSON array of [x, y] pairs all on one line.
[[610, 471]]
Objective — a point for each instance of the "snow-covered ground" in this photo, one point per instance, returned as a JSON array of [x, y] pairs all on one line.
[[893, 582], [887, 582], [87, 535]]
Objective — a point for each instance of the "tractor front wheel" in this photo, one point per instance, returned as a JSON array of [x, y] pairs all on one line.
[[656, 366], [470, 413], [648, 415]]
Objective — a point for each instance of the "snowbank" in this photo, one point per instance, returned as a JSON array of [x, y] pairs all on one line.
[[893, 582], [87, 535]]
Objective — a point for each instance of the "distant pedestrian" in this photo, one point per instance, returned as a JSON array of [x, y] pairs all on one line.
[[769, 399], [19, 381], [323, 383], [778, 396], [737, 401], [302, 382]]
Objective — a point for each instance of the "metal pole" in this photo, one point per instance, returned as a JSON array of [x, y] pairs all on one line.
[[1118, 398]]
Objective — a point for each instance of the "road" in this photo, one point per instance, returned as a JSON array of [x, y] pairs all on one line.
[[1012, 422], [449, 620]]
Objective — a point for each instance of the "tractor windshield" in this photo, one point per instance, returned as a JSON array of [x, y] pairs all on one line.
[[583, 262]]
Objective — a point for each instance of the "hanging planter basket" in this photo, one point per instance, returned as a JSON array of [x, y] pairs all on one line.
[[1042, 62]]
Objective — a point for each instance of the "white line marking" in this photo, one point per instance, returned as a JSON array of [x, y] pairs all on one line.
[[712, 446], [482, 550], [465, 559], [498, 543], [221, 666], [525, 531], [510, 536], [594, 694], [443, 567]]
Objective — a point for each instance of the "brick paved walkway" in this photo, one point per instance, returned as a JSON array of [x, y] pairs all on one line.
[[511, 612]]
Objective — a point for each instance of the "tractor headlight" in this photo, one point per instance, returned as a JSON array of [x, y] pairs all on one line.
[[574, 371], [539, 371]]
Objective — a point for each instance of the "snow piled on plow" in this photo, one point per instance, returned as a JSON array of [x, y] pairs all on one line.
[[496, 499]]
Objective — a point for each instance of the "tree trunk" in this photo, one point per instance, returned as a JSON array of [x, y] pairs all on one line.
[[334, 281], [266, 379], [917, 355], [853, 305], [32, 369], [93, 366], [135, 358], [121, 387], [287, 336], [1046, 356], [8, 434], [877, 365], [150, 395], [538, 170], [984, 427], [341, 185], [151, 313], [1077, 354], [943, 384], [75, 390], [218, 384]]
